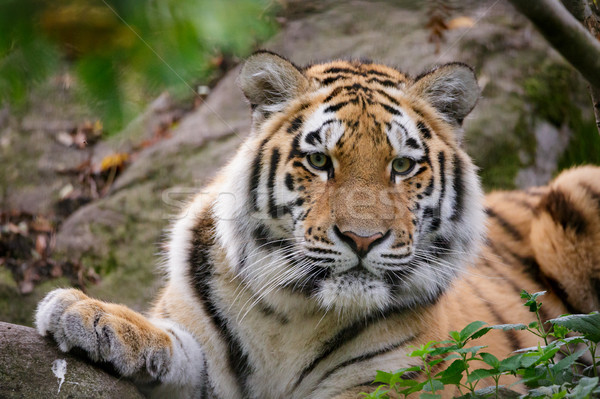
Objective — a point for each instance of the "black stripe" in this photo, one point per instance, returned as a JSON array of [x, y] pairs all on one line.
[[412, 143], [322, 250], [458, 186], [562, 210], [255, 175], [592, 193], [270, 312], [506, 226], [513, 339], [201, 270], [338, 70], [435, 224], [295, 150], [332, 79], [521, 202], [517, 289], [388, 97], [274, 211], [401, 127], [324, 261], [429, 189], [374, 72], [335, 107], [424, 130], [204, 382], [289, 182], [299, 164], [334, 93], [528, 264], [386, 82], [344, 336], [391, 109], [313, 137], [365, 357], [394, 256], [421, 170], [295, 124]]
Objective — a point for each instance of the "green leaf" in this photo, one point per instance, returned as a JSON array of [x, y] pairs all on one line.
[[529, 359], [471, 349], [426, 395], [383, 377], [431, 385], [490, 359], [559, 395], [511, 363], [584, 387], [423, 350], [455, 335], [506, 327], [453, 374], [548, 353], [481, 332], [434, 362], [444, 349], [479, 374], [470, 329], [533, 325], [560, 331], [568, 360], [379, 393], [415, 388], [587, 324]]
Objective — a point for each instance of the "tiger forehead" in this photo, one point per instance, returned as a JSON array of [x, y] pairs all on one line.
[[366, 72]]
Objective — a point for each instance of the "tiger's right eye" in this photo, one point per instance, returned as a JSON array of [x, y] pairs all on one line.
[[319, 161]]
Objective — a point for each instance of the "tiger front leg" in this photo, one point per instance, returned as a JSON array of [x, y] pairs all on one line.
[[149, 351]]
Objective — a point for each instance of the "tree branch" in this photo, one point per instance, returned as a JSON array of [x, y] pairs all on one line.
[[589, 17], [565, 34]]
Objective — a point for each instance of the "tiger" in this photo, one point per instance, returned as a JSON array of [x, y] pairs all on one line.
[[350, 227]]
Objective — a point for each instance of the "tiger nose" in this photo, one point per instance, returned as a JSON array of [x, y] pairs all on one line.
[[360, 244]]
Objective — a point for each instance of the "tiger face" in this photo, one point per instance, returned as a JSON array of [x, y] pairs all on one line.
[[353, 184]]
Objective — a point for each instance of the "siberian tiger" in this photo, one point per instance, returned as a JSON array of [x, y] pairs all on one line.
[[349, 227]]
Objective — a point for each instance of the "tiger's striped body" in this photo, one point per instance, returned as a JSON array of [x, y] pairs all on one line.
[[300, 275]]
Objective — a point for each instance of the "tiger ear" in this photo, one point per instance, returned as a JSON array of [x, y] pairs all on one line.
[[270, 80], [451, 89]]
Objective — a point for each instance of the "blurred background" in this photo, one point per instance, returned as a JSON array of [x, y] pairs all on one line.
[[112, 113]]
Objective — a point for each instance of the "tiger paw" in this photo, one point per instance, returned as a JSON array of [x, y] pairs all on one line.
[[106, 332]]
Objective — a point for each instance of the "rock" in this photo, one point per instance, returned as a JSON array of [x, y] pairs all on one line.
[[33, 367], [551, 143]]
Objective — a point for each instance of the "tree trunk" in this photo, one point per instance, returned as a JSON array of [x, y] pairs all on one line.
[[564, 29], [33, 367]]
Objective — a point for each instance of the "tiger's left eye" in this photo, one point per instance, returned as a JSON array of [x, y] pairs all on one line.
[[318, 160], [402, 166]]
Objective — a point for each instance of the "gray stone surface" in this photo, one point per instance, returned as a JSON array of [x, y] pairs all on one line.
[[32, 367]]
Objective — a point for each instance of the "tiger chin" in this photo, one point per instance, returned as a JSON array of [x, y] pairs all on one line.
[[350, 226]]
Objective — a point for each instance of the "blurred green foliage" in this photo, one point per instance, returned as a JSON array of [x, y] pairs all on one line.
[[124, 52]]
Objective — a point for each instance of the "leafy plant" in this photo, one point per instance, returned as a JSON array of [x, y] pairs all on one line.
[[123, 52], [552, 369]]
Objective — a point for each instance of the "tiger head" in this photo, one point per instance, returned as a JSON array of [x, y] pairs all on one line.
[[352, 190]]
